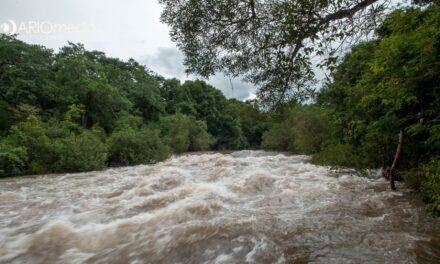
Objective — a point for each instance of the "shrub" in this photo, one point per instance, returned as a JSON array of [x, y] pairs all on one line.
[[430, 188], [185, 133], [12, 160], [302, 131], [310, 128], [414, 178], [135, 146], [199, 137], [175, 132], [279, 137], [78, 153], [128, 121], [30, 134], [337, 154]]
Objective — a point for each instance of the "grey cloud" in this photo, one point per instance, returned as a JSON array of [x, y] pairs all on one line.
[[168, 62], [233, 88]]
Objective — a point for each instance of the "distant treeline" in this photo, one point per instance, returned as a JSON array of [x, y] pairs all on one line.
[[78, 110]]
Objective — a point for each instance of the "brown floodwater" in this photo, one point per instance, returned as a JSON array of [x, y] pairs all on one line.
[[240, 207]]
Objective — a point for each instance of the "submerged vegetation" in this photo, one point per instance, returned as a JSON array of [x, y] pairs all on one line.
[[79, 110]]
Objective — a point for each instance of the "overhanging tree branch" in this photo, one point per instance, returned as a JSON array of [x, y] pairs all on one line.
[[269, 43], [348, 13]]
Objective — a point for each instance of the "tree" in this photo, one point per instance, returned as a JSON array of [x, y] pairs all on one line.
[[83, 81], [301, 129], [384, 95], [138, 84], [30, 135], [253, 121], [77, 153], [185, 133], [270, 43], [133, 146], [12, 160], [26, 77], [208, 104], [199, 137]]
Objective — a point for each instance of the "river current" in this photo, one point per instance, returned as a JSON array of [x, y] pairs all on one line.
[[241, 207]]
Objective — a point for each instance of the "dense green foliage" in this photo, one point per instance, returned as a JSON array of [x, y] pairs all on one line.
[[270, 43], [430, 185], [381, 87], [185, 133], [299, 129], [80, 110], [135, 146], [389, 85], [36, 147]]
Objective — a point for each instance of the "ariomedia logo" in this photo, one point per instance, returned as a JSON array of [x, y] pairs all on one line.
[[8, 27]]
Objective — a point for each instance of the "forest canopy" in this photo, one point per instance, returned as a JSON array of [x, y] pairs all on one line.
[[79, 110]]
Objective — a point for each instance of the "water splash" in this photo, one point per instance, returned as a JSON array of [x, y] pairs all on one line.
[[242, 207]]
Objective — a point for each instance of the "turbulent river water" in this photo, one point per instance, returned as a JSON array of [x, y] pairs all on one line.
[[241, 207]]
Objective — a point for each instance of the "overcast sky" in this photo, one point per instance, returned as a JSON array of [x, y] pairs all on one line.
[[120, 28]]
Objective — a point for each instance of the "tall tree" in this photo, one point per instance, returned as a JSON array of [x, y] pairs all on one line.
[[385, 94], [25, 77], [269, 42], [84, 81]]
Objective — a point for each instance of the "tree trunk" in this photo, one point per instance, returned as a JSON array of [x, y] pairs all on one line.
[[392, 170], [85, 119]]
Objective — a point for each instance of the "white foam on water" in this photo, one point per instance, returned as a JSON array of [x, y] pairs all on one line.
[[243, 207]]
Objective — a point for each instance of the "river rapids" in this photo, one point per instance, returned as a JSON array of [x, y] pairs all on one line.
[[241, 207]]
